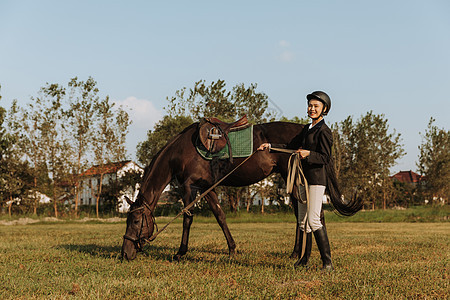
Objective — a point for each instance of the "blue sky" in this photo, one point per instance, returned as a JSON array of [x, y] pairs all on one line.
[[391, 57]]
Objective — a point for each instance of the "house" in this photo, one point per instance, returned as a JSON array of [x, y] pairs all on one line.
[[40, 197], [408, 177], [90, 181]]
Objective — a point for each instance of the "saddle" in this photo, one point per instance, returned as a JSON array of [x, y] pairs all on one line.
[[213, 133]]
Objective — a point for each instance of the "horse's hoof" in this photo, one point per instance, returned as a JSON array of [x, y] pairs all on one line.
[[327, 268], [176, 257]]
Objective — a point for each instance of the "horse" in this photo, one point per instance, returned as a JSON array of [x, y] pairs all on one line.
[[179, 160]]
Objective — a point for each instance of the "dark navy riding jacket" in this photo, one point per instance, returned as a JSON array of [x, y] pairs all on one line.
[[318, 140]]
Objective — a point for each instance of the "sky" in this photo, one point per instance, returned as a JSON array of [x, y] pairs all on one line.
[[391, 57]]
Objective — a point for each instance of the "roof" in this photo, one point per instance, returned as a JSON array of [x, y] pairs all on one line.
[[407, 176], [105, 169]]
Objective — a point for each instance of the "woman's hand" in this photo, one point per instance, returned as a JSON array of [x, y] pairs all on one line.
[[263, 146], [303, 153]]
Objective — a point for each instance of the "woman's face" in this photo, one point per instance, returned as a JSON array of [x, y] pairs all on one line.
[[315, 108]]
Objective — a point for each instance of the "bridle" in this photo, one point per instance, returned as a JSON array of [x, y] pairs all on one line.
[[139, 240]]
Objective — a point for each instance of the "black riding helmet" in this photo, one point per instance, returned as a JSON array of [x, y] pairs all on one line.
[[322, 97]]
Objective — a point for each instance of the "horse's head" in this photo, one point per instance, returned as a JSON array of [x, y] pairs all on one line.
[[140, 227]]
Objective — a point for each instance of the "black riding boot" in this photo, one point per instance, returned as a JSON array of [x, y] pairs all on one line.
[[297, 246], [304, 260], [324, 248]]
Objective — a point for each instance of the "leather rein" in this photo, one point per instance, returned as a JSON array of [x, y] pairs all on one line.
[[138, 241]]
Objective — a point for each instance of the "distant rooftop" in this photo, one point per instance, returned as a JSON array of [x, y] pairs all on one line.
[[407, 176], [105, 169]]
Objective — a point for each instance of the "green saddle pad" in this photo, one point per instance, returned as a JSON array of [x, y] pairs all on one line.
[[241, 145]]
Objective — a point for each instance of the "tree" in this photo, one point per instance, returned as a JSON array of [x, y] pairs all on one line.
[[5, 149], [303, 120], [127, 185], [24, 124], [5, 140], [109, 139], [163, 131], [364, 153], [266, 188], [215, 100], [58, 152], [434, 162], [59, 130], [14, 174], [81, 103]]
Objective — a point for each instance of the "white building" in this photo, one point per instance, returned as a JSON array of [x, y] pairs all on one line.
[[90, 181], [41, 198]]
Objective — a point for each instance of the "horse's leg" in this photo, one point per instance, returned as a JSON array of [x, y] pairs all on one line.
[[213, 202], [297, 249], [189, 196]]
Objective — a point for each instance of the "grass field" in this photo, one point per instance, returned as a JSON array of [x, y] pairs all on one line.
[[81, 260]]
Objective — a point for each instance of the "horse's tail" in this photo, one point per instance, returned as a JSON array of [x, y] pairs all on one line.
[[343, 206]]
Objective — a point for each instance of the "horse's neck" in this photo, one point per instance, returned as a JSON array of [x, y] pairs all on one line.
[[158, 177]]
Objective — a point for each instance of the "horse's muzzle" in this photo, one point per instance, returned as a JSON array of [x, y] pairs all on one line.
[[129, 249]]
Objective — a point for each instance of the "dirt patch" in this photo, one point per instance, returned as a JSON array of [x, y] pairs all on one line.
[[21, 221], [109, 220], [26, 221]]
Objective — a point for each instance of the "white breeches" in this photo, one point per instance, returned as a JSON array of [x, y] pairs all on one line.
[[316, 193]]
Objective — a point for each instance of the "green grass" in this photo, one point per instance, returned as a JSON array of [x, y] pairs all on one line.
[[81, 260], [413, 214]]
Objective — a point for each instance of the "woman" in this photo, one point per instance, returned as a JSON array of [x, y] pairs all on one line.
[[314, 147]]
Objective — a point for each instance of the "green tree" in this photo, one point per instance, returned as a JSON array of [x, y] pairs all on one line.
[[81, 104], [365, 151], [215, 100], [108, 140], [5, 149], [15, 176], [24, 124], [54, 136], [434, 162], [163, 131], [303, 120], [5, 140], [125, 185]]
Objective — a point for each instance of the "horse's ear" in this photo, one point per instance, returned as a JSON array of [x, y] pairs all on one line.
[[128, 200]]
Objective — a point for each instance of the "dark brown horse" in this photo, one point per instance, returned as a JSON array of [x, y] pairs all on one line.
[[179, 160]]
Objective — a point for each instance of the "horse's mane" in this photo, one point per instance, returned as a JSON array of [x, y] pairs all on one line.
[[149, 168], [155, 157]]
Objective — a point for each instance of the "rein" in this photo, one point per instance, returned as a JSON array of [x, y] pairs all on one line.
[[185, 210], [296, 177]]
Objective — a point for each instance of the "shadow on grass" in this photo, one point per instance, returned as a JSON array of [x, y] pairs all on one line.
[[166, 253], [94, 250], [159, 252], [221, 256]]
